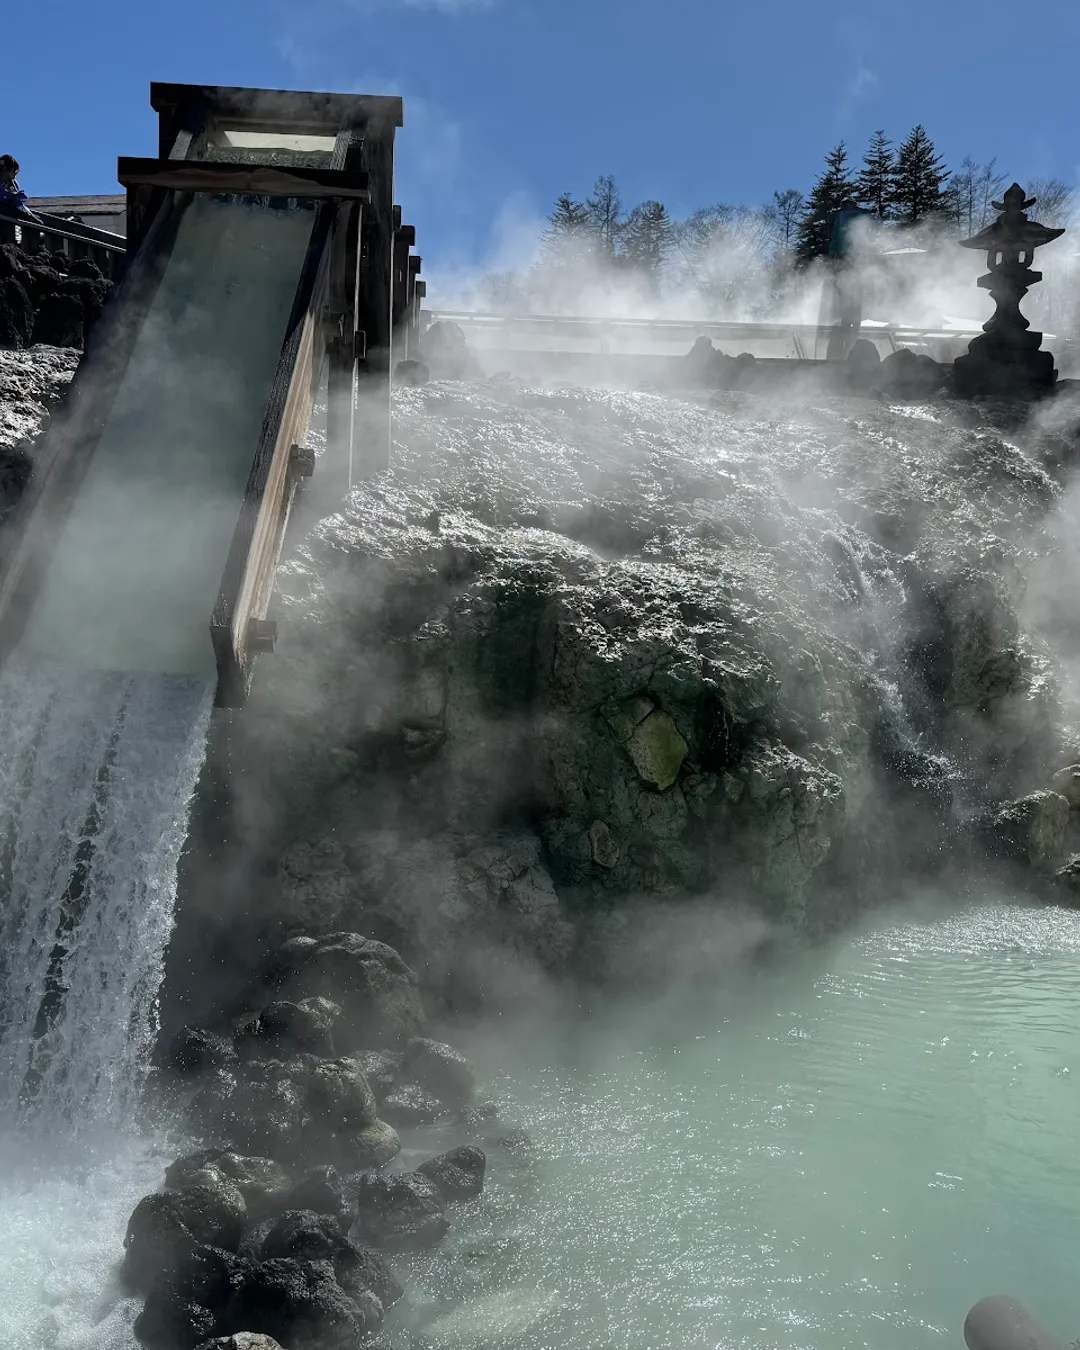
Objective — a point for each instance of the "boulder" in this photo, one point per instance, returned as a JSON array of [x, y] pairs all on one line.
[[339, 1095], [284, 1029], [303, 1235], [377, 992], [16, 466], [323, 1190], [1067, 782], [262, 1116], [439, 1069], [165, 1229], [457, 1175], [381, 1068], [400, 1213], [194, 1051], [1032, 829], [374, 1146], [60, 321], [263, 1183], [16, 314], [184, 1305], [301, 1305]]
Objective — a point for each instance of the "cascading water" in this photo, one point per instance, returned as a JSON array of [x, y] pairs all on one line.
[[94, 789]]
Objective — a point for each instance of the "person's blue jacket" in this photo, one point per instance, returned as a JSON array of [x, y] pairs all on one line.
[[12, 197], [842, 236]]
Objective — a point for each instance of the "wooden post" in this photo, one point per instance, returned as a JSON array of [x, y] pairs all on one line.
[[373, 430]]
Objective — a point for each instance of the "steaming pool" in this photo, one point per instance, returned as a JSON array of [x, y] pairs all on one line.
[[848, 1149]]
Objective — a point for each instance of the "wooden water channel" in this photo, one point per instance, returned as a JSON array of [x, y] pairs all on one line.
[[355, 312]]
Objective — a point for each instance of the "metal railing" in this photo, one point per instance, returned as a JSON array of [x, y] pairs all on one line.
[[539, 333], [70, 237]]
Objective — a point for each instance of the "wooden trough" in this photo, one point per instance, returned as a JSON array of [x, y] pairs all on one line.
[[354, 312]]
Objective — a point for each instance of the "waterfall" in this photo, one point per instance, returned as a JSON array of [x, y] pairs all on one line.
[[95, 782]]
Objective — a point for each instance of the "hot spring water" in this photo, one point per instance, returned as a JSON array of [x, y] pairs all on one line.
[[848, 1150]]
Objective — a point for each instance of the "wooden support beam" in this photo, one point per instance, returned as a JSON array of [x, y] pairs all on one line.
[[375, 316], [239, 628], [249, 180]]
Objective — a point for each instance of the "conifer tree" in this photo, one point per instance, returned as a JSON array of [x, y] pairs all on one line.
[[832, 187], [919, 184], [647, 239], [569, 235], [875, 183]]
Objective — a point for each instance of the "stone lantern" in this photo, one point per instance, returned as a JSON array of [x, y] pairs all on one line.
[[1007, 359]]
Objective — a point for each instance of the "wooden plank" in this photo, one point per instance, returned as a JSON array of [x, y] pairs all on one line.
[[373, 426], [297, 111], [249, 180], [237, 626], [64, 450]]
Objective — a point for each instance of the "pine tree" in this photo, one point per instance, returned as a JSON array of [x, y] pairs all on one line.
[[833, 187], [647, 238], [569, 235], [604, 208], [875, 182], [919, 184]]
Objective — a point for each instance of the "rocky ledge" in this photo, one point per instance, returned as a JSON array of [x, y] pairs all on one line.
[[285, 1221], [583, 657]]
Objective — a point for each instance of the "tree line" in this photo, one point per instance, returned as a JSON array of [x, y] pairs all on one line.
[[727, 250]]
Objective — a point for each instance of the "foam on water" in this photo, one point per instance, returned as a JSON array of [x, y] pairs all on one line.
[[95, 784], [846, 1151]]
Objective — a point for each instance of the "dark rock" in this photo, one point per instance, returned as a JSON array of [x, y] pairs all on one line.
[[194, 1051], [16, 467], [169, 1321], [164, 1230], [904, 374], [263, 1183], [411, 373], [374, 1146], [340, 1095], [303, 1235], [381, 1069], [410, 1104], [1032, 830], [16, 314], [377, 992], [184, 1305], [301, 1305], [441, 1070], [447, 354], [251, 1244], [402, 1212], [262, 1116], [60, 321], [284, 1029], [458, 1175], [85, 267], [322, 1190]]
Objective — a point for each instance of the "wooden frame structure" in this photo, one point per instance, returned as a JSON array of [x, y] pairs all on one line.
[[356, 289]]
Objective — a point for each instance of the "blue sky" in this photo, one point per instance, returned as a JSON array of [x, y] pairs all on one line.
[[508, 102]]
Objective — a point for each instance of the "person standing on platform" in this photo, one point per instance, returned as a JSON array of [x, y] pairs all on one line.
[[12, 197]]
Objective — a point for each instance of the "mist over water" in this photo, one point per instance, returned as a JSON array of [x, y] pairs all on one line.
[[849, 1149]]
